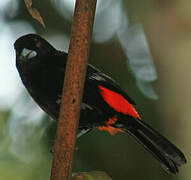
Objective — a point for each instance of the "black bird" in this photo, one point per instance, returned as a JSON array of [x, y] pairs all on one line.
[[105, 105]]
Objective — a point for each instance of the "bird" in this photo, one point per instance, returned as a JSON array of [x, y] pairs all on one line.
[[105, 105]]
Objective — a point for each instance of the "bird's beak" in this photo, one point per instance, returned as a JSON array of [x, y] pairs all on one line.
[[25, 55]]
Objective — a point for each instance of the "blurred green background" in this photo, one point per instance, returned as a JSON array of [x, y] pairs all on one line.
[[27, 134]]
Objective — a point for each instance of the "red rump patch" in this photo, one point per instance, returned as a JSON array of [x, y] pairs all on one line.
[[112, 120], [109, 128], [118, 102]]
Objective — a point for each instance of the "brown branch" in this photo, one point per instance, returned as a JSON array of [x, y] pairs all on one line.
[[73, 89]]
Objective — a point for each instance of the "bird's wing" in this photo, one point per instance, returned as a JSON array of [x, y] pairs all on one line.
[[94, 74]]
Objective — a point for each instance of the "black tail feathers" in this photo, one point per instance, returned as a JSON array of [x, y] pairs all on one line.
[[162, 149]]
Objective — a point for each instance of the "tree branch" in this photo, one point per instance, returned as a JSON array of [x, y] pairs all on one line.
[[73, 89]]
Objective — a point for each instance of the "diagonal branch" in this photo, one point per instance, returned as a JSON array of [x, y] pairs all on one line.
[[73, 89]]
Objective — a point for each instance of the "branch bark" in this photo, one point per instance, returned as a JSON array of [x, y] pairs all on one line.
[[73, 89]]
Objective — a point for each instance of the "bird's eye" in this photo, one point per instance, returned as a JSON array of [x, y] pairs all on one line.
[[27, 54]]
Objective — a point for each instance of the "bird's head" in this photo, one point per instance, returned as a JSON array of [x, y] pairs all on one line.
[[31, 47]]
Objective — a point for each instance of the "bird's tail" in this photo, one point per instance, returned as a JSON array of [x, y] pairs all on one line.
[[162, 149]]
